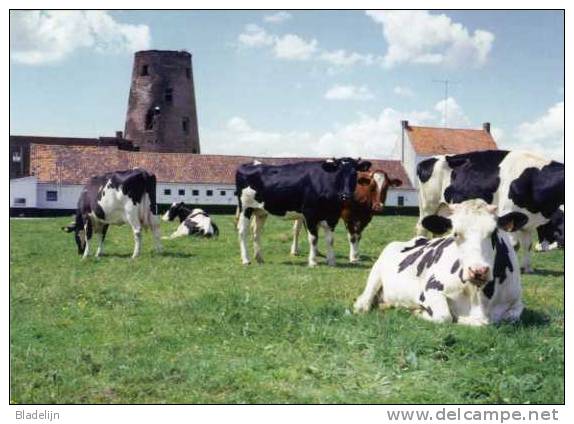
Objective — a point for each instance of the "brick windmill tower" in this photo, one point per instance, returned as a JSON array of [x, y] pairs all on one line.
[[161, 114]]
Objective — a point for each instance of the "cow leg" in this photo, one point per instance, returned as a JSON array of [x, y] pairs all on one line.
[[297, 224], [258, 223], [313, 237], [102, 235], [243, 230], [374, 285], [180, 232], [434, 307], [88, 235], [525, 242], [329, 239]]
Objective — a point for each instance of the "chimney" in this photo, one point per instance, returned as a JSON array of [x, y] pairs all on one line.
[[405, 125], [486, 127], [119, 134]]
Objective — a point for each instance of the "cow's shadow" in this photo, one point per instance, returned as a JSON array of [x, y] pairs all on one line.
[[533, 318], [547, 273], [321, 264], [153, 254]]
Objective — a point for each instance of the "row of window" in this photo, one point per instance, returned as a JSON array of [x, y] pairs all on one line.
[[181, 192], [52, 195]]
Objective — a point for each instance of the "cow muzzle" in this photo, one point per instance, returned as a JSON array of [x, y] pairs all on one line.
[[345, 197], [478, 275]]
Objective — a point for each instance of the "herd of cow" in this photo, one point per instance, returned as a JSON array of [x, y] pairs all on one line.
[[480, 207]]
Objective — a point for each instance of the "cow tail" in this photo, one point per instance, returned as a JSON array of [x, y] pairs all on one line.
[[151, 187]]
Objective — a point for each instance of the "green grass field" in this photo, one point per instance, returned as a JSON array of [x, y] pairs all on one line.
[[192, 325]]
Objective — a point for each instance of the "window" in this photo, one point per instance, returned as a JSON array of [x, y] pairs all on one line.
[[168, 96], [222, 193], [167, 192], [181, 192], [235, 193], [149, 120], [188, 73], [401, 200], [185, 125], [16, 157], [20, 201], [52, 196], [209, 192], [144, 71], [195, 192]]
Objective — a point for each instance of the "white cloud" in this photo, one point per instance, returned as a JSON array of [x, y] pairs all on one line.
[[403, 91], [293, 47], [455, 116], [367, 136], [417, 36], [255, 36], [348, 92], [38, 37], [544, 135], [344, 58], [277, 17]]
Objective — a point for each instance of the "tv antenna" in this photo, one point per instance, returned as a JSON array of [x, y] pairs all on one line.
[[446, 83]]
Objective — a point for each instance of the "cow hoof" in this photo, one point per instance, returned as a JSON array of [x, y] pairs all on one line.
[[526, 270], [295, 253], [246, 262], [331, 263], [259, 259], [312, 264], [361, 307], [354, 261]]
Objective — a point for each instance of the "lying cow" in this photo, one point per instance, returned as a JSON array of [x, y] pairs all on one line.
[[551, 234], [115, 198], [514, 181], [369, 198], [314, 190], [470, 276], [193, 222]]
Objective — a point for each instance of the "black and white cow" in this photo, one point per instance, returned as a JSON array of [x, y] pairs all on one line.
[[116, 198], [513, 180], [470, 276], [193, 222], [551, 234], [315, 190]]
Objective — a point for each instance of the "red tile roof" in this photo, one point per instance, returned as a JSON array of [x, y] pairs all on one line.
[[429, 141], [75, 164]]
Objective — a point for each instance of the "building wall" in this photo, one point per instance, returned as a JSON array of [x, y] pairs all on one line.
[[67, 196], [410, 197], [154, 74], [23, 192], [201, 198]]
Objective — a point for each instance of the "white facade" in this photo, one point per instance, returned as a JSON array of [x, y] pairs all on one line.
[[23, 192], [412, 159], [28, 193], [199, 194]]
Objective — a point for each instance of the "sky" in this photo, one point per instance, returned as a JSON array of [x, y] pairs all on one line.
[[300, 83]]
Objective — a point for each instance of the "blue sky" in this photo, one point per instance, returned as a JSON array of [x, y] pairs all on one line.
[[297, 82]]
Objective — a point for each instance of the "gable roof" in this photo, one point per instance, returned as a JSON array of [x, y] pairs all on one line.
[[75, 164], [428, 141]]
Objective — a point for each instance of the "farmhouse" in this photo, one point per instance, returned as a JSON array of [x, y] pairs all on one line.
[[161, 136]]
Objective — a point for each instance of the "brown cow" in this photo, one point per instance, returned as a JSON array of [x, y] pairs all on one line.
[[370, 197]]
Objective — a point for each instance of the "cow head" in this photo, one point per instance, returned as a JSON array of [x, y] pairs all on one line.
[[77, 227], [173, 212], [473, 225], [372, 188], [346, 177]]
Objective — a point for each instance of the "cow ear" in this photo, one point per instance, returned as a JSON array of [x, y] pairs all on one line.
[[363, 165], [364, 181], [512, 221], [330, 166], [436, 224], [395, 182], [455, 162]]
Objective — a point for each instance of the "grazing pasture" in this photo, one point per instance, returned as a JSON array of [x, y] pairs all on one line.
[[192, 325]]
